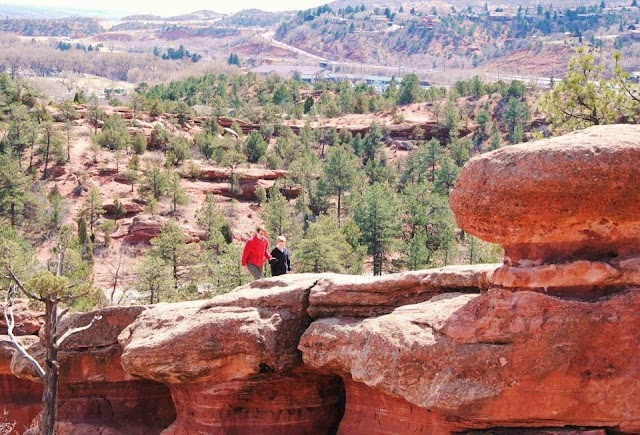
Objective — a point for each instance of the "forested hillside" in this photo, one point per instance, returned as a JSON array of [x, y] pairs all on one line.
[[153, 202]]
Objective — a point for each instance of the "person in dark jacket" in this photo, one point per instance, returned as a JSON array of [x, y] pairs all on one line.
[[280, 262]]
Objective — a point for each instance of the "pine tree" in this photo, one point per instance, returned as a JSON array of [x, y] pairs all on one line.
[[323, 248], [340, 171], [175, 191], [377, 214], [213, 222], [119, 211], [93, 207], [153, 278], [280, 218], [155, 180], [14, 189], [171, 247]]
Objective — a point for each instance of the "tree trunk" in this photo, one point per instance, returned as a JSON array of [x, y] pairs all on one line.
[[13, 214], [46, 157], [50, 391], [339, 204], [175, 271]]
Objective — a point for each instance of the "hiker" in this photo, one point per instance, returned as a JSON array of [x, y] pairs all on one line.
[[256, 250], [280, 262]]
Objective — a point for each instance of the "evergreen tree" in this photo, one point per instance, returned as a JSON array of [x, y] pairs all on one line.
[[585, 97], [153, 278], [446, 176], [340, 171], [119, 211], [377, 215], [410, 91], [93, 207], [255, 147], [213, 222], [171, 247], [175, 191], [86, 247], [114, 134], [323, 248], [280, 218], [155, 180], [14, 189], [139, 144]]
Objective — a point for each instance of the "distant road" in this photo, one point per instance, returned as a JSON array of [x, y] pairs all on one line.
[[270, 36], [396, 70]]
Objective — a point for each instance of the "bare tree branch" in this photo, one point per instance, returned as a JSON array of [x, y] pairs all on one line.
[[10, 320], [73, 331]]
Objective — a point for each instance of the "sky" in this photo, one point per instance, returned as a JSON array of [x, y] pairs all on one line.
[[170, 7]]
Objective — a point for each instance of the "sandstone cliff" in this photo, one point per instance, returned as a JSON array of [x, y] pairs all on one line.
[[546, 343]]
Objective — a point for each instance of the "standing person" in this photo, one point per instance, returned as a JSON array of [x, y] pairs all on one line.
[[256, 250], [280, 262]]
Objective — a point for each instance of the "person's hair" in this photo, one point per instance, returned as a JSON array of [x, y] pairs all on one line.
[[261, 228], [282, 239]]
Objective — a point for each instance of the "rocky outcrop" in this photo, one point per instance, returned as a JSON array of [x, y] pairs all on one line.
[[571, 197], [496, 359], [95, 394], [217, 182], [145, 227], [19, 398], [366, 296], [232, 363]]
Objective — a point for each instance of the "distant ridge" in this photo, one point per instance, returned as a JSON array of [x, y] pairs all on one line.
[[39, 12]]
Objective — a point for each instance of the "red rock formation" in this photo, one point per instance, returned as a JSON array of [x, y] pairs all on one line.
[[365, 296], [144, 228], [497, 359], [28, 321], [131, 208], [571, 197], [19, 398], [232, 363], [95, 394]]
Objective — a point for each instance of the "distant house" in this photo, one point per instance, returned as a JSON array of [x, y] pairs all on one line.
[[427, 22]]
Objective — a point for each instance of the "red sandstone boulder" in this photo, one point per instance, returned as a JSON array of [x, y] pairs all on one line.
[[490, 360], [571, 197], [27, 320], [248, 174]]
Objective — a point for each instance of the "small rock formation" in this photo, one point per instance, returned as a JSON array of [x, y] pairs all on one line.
[[145, 227]]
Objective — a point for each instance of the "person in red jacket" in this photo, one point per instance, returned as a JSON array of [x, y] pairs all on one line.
[[256, 251]]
